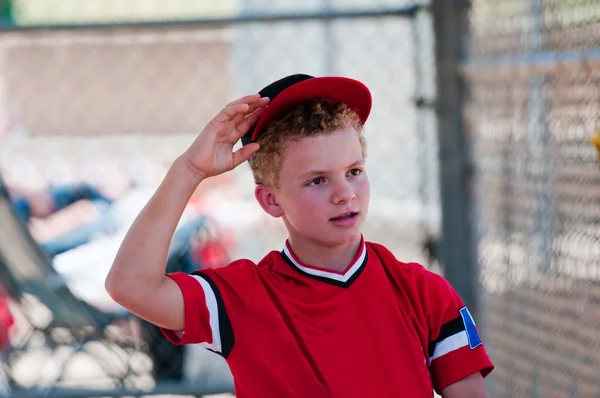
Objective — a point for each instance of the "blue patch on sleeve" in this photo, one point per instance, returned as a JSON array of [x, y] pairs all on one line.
[[470, 328]]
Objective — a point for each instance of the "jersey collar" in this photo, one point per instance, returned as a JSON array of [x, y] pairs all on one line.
[[342, 279]]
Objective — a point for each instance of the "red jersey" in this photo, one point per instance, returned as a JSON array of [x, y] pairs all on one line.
[[381, 328]]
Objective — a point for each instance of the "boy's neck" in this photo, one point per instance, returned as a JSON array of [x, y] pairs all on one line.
[[334, 258]]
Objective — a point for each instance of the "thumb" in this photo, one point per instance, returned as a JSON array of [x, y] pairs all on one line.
[[244, 153]]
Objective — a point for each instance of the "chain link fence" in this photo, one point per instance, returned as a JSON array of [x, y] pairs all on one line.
[[110, 105], [533, 81], [111, 98]]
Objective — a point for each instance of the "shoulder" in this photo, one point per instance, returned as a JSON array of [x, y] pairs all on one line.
[[242, 269], [390, 262], [410, 273], [242, 266], [238, 281]]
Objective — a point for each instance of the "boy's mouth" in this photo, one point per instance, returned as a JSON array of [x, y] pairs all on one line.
[[344, 216]]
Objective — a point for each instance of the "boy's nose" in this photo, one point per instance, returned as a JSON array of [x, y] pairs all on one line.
[[343, 193]]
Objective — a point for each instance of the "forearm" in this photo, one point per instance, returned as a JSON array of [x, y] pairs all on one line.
[[139, 266], [472, 386], [137, 278]]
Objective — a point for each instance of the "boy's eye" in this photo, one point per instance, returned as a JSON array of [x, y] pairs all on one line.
[[316, 181], [355, 172]]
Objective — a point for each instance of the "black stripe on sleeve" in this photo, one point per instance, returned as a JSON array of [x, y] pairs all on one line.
[[448, 329], [227, 340]]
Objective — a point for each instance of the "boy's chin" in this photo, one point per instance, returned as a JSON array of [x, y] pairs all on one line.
[[344, 237], [328, 235]]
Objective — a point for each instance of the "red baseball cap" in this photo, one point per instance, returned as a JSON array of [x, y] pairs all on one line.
[[291, 90]]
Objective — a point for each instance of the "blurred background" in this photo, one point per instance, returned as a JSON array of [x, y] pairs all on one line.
[[483, 160]]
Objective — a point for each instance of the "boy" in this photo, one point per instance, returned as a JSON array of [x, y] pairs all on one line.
[[330, 315]]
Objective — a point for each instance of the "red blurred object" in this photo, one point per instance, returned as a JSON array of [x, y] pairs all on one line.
[[211, 254], [6, 322]]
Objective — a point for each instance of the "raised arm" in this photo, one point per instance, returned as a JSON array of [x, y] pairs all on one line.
[[137, 277]]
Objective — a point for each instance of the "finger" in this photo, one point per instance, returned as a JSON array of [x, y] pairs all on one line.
[[246, 99], [261, 102], [238, 119], [249, 121], [244, 153], [231, 111]]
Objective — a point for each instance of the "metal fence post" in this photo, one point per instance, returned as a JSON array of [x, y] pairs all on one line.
[[458, 251]]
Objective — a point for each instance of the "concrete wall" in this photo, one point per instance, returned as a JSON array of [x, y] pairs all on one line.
[[115, 81]]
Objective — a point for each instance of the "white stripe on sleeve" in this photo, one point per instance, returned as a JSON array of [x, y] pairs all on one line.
[[450, 344], [213, 311]]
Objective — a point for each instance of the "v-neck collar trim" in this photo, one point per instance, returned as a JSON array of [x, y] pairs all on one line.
[[342, 279]]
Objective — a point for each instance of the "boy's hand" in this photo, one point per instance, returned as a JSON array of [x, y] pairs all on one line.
[[212, 153]]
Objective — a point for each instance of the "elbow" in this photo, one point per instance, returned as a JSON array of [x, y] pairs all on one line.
[[128, 291], [115, 288]]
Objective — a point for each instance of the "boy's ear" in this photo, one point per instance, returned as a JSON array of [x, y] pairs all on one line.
[[267, 200]]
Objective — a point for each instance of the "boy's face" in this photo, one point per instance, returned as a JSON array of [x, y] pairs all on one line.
[[323, 188]]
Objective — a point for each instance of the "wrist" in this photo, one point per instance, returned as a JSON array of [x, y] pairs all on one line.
[[184, 169]]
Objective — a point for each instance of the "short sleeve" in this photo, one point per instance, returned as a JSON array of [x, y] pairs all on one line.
[[214, 301], [455, 348]]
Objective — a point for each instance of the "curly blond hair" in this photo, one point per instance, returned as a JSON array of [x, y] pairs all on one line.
[[310, 118]]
